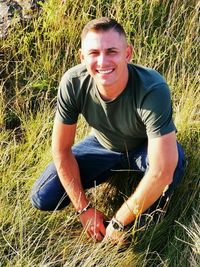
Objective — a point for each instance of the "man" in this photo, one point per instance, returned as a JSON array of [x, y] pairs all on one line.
[[129, 109]]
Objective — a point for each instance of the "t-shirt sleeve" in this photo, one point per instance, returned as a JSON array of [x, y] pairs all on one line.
[[67, 110], [156, 111]]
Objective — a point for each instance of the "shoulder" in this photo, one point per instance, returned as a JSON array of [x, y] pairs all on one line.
[[76, 72], [148, 84], [146, 77], [77, 79]]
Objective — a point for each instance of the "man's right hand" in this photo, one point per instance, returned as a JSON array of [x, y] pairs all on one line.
[[93, 221]]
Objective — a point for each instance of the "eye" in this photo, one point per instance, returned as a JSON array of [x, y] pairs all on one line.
[[93, 53], [112, 52]]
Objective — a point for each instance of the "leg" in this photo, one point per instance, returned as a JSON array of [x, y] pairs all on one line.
[[94, 163]]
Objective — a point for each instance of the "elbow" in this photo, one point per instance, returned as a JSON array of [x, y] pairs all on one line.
[[163, 173], [167, 177], [54, 153], [162, 176], [58, 153]]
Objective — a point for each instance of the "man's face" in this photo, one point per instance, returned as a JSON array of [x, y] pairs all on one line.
[[106, 54]]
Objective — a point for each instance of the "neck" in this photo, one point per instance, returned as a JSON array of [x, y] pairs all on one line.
[[107, 94], [113, 91]]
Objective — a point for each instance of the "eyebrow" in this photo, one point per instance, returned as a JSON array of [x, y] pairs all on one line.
[[112, 48], [107, 49]]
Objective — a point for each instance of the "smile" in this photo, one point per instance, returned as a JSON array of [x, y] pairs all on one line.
[[104, 71]]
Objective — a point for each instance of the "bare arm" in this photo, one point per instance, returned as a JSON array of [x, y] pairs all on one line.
[[163, 157], [66, 164], [68, 172]]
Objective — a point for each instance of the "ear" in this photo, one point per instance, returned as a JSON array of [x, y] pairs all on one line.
[[81, 55], [129, 53]]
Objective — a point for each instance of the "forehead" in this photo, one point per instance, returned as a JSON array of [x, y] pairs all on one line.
[[103, 40]]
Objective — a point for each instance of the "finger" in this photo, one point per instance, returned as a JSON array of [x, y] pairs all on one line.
[[102, 228], [96, 233], [109, 240], [91, 231], [98, 237], [106, 240], [116, 239]]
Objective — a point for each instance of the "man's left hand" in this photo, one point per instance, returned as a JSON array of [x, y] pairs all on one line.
[[114, 236]]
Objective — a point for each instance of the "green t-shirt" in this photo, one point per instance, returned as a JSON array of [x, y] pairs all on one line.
[[143, 110]]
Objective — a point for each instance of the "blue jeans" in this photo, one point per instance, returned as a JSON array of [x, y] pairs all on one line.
[[96, 165]]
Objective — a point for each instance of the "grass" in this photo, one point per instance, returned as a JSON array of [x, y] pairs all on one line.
[[34, 56]]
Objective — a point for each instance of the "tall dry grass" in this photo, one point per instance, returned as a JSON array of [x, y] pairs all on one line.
[[35, 54]]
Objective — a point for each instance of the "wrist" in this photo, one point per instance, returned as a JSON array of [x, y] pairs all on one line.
[[117, 225], [81, 211]]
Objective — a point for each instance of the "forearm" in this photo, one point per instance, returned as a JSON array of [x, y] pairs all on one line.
[[68, 172], [163, 157], [147, 192]]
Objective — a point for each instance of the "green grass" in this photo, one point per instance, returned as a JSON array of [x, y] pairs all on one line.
[[35, 54]]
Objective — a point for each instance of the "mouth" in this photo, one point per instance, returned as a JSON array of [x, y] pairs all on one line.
[[105, 71]]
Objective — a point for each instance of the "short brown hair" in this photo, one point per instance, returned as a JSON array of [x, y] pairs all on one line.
[[102, 24]]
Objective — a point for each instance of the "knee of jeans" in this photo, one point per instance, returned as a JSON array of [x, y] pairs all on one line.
[[181, 158], [179, 171], [39, 202], [48, 204], [36, 201], [44, 205]]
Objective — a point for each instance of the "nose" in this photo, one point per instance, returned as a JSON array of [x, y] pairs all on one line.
[[101, 59]]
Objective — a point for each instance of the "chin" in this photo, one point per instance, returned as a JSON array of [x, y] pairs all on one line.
[[104, 83]]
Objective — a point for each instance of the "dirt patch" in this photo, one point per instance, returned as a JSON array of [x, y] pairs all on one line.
[[18, 10]]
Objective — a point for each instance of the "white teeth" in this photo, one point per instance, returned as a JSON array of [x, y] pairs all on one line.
[[104, 71]]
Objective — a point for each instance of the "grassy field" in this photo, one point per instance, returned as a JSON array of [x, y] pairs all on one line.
[[34, 56]]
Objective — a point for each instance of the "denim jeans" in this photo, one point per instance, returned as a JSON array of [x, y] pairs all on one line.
[[96, 165]]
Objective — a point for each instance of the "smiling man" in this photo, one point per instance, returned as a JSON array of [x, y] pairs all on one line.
[[129, 109], [105, 55]]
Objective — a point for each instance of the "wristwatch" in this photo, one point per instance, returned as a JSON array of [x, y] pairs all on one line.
[[117, 225]]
